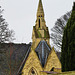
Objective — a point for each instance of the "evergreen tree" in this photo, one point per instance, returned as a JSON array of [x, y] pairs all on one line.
[[68, 44]]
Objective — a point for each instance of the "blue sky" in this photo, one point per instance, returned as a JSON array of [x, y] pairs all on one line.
[[21, 15]]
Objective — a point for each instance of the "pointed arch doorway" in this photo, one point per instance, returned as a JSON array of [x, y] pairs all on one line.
[[32, 71]]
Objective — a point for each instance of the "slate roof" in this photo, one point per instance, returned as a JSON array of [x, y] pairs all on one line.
[[17, 52], [43, 51], [23, 63]]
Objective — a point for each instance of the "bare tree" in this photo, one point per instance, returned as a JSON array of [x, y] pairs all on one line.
[[57, 30], [6, 35]]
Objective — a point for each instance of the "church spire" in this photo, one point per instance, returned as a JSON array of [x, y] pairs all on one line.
[[40, 30], [40, 11], [40, 21]]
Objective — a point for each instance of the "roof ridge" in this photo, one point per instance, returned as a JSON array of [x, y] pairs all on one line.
[[24, 60]]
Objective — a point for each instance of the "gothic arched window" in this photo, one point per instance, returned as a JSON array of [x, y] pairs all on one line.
[[52, 69], [39, 23], [32, 71]]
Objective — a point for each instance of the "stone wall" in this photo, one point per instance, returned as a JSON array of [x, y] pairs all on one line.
[[32, 62], [52, 62]]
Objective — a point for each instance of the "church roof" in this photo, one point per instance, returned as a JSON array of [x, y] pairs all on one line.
[[17, 53], [24, 60], [43, 51]]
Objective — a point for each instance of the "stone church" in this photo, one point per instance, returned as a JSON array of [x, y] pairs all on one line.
[[40, 58]]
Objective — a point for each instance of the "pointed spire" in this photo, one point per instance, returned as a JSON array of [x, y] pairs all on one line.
[[40, 10], [40, 7]]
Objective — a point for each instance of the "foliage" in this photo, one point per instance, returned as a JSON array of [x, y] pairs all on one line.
[[57, 30], [46, 34], [68, 44], [39, 34]]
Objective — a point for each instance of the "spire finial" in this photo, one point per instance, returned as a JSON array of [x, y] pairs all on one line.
[[40, 8]]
